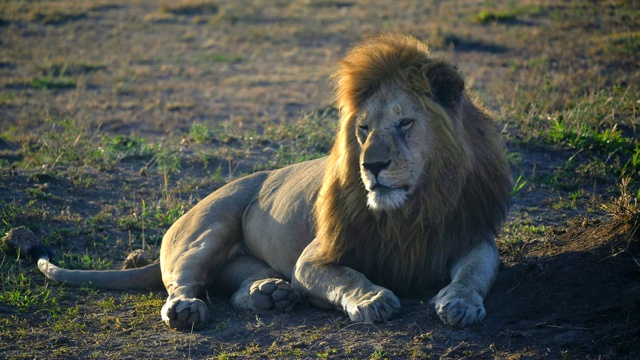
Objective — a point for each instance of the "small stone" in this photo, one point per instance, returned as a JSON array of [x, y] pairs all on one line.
[[136, 259], [20, 239]]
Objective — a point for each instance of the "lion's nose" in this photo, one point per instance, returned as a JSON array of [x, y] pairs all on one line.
[[376, 167]]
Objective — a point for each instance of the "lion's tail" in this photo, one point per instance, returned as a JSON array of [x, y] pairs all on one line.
[[147, 276]]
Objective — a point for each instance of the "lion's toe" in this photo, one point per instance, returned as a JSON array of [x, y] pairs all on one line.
[[458, 305], [273, 294], [381, 305], [185, 313]]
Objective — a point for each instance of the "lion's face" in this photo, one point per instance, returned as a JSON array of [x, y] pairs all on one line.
[[393, 131]]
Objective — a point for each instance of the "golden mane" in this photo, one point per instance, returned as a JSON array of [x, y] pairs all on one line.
[[462, 198]]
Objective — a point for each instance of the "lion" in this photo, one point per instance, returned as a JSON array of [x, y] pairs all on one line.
[[409, 200]]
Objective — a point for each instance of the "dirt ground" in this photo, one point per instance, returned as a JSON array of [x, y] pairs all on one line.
[[569, 290]]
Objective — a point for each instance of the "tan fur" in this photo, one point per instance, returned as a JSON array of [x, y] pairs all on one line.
[[466, 189]]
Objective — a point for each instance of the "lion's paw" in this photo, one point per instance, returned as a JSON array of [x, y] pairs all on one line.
[[378, 305], [270, 294], [185, 313], [459, 305]]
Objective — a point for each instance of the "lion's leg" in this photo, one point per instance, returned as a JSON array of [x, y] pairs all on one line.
[[330, 285], [196, 248], [191, 266], [461, 302], [255, 286]]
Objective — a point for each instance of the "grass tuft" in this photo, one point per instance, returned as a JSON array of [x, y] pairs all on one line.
[[623, 44], [50, 82], [219, 58], [626, 207], [486, 17], [200, 133]]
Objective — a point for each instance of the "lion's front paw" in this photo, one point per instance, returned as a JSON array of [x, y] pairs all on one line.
[[269, 294], [459, 305], [377, 305], [185, 313]]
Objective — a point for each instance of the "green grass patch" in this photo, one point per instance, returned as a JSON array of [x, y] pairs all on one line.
[[39, 191], [600, 130], [62, 144], [84, 262], [72, 145], [486, 17], [307, 139], [379, 353], [68, 320], [200, 133], [219, 58], [623, 44], [604, 126], [516, 234], [19, 290], [584, 137], [518, 186], [6, 98], [112, 150], [166, 217], [50, 82], [108, 304]]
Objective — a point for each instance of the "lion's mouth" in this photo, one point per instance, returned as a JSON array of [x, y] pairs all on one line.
[[379, 187], [381, 197]]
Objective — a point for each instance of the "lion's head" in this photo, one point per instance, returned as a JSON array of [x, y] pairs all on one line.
[[416, 166], [394, 100]]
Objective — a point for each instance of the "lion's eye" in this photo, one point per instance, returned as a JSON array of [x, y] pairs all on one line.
[[364, 129], [405, 123]]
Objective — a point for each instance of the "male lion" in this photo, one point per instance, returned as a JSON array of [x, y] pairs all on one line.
[[410, 197]]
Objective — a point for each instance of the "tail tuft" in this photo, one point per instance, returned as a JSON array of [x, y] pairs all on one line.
[[38, 252]]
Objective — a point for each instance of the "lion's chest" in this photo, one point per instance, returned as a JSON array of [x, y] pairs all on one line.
[[410, 267]]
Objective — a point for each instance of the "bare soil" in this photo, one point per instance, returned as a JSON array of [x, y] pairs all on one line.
[[569, 291]]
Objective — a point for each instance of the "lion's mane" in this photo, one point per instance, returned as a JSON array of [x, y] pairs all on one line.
[[461, 199]]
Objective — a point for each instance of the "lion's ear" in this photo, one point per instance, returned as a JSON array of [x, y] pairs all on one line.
[[446, 84]]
